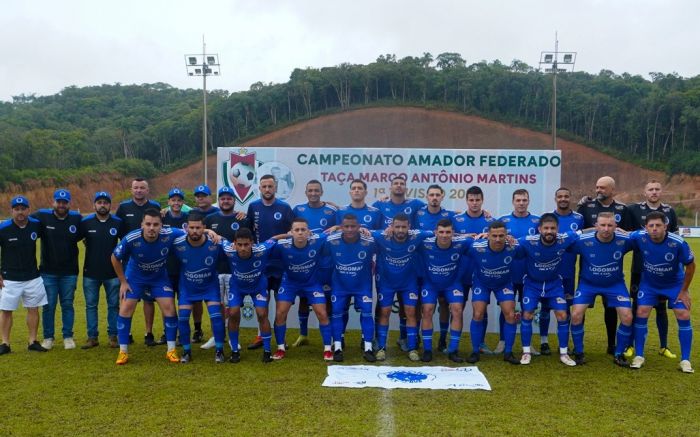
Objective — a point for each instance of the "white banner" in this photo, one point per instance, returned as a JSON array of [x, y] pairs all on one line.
[[430, 377], [689, 231]]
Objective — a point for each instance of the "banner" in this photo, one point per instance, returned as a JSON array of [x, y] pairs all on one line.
[[689, 231], [389, 377]]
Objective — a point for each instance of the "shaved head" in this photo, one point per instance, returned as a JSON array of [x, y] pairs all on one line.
[[605, 189]]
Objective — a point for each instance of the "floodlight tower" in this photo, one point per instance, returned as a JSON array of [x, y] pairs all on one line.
[[556, 62], [204, 64]]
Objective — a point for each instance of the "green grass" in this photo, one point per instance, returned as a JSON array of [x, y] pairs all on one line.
[[84, 393]]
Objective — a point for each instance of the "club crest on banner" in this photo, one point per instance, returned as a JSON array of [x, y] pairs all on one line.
[[239, 173]]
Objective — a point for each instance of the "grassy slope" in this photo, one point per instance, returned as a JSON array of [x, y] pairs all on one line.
[[83, 393]]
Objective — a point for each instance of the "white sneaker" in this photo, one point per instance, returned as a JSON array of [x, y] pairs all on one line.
[[500, 347], [566, 359], [47, 343], [526, 358], [637, 362], [209, 344], [685, 367], [68, 343]]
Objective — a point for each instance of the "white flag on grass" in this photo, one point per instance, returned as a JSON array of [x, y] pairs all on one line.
[[437, 378]]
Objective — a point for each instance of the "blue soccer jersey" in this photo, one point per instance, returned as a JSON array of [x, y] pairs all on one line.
[[146, 260], [301, 265], [442, 266], [601, 263], [319, 219], [427, 221], [271, 220], [520, 227], [247, 274], [492, 269], [543, 262], [198, 273], [397, 262], [368, 216], [662, 263], [351, 263], [389, 209], [572, 222], [465, 224]]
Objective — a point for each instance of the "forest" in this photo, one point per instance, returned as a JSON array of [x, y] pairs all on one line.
[[150, 128]]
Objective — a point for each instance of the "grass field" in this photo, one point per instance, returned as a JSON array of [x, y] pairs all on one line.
[[80, 392]]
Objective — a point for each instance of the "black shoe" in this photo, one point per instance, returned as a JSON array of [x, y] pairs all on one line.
[[219, 357], [611, 350], [621, 361], [186, 357], [162, 340], [342, 343], [427, 356], [149, 340], [455, 358], [545, 349], [369, 357], [474, 357], [34, 347], [267, 357], [442, 345], [580, 359], [338, 355], [235, 357], [5, 349], [131, 339], [198, 336], [510, 358]]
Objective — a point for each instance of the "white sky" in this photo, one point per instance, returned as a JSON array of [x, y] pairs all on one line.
[[48, 45]]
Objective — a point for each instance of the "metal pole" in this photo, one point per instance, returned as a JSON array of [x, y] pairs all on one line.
[[204, 124], [554, 96]]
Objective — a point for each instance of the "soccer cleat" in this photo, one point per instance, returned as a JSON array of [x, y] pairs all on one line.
[[47, 344], [90, 343], [256, 344], [68, 343], [629, 352], [186, 357], [327, 356], [162, 340], [5, 348], [235, 357], [685, 367], [510, 358], [369, 356], [267, 357], [500, 347], [149, 340], [338, 356], [621, 361], [197, 336], [566, 359], [172, 356], [380, 355], [302, 340], [637, 362], [454, 357], [113, 341], [484, 349], [442, 345], [208, 344], [122, 358], [427, 356], [279, 354], [664, 351], [402, 343], [526, 358], [36, 347], [413, 355], [580, 358], [545, 349], [219, 357], [473, 357]]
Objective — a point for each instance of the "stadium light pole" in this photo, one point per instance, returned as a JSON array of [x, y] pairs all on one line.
[[556, 62], [204, 64]]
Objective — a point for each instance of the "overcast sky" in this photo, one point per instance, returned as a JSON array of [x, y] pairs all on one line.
[[48, 45]]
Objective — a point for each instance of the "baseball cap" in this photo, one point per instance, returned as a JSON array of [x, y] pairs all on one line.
[[225, 190], [176, 192], [20, 200], [202, 189], [102, 195], [61, 194]]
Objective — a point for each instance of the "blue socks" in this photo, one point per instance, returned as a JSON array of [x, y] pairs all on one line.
[[685, 336], [510, 330], [325, 333], [382, 334], [662, 324], [337, 322], [280, 333], [303, 321], [427, 339], [171, 328], [562, 334], [641, 329], [526, 332], [267, 340], [402, 327], [123, 329], [544, 322], [624, 334], [367, 324], [577, 332], [233, 340], [412, 337], [454, 340], [184, 325], [476, 332]]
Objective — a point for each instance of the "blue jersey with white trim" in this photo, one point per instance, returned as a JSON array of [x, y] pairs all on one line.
[[368, 216], [269, 220], [398, 262], [571, 222], [146, 260], [247, 274], [442, 266], [492, 269], [197, 265], [300, 264], [389, 209], [520, 227], [543, 262], [465, 224], [662, 262], [351, 262], [319, 219], [601, 263], [427, 221]]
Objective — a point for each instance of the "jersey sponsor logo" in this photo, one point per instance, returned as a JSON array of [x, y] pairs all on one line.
[[33, 236], [317, 294], [260, 296], [457, 292], [366, 299], [168, 289], [623, 299], [507, 291], [277, 215], [413, 296], [561, 300]]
